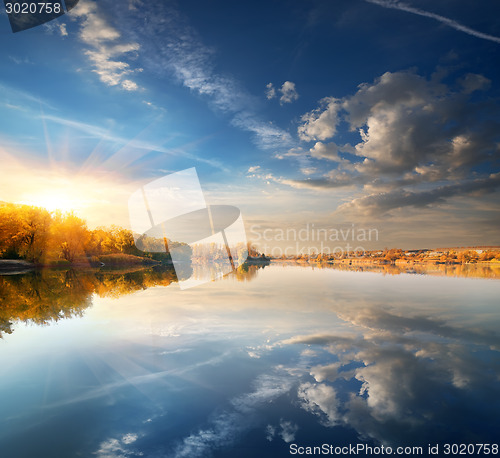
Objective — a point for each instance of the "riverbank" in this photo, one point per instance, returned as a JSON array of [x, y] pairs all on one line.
[[12, 266], [15, 266]]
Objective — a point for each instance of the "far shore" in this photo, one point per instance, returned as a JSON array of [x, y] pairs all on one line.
[[376, 262]]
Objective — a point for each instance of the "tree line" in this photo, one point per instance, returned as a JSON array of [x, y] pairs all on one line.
[[36, 235]]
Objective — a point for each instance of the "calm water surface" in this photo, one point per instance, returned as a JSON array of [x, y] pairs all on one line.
[[112, 365]]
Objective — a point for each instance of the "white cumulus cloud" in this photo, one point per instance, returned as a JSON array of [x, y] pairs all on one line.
[[288, 92], [270, 91]]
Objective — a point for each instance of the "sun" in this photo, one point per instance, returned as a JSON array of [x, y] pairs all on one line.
[[53, 202]]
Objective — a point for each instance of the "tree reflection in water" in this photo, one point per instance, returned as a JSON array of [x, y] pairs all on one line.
[[46, 296]]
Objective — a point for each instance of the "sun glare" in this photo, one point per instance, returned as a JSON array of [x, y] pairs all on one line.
[[99, 197], [53, 202]]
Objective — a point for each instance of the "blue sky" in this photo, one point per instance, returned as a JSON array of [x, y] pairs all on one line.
[[379, 113]]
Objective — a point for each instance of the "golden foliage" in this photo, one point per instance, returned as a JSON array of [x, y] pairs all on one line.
[[45, 238]]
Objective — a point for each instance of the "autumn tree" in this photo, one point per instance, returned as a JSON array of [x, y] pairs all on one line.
[[40, 236], [24, 232], [10, 232], [70, 236]]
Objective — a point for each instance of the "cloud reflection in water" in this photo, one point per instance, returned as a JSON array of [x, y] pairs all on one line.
[[235, 367]]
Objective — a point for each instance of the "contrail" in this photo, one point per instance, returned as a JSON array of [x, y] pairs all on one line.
[[449, 22]]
